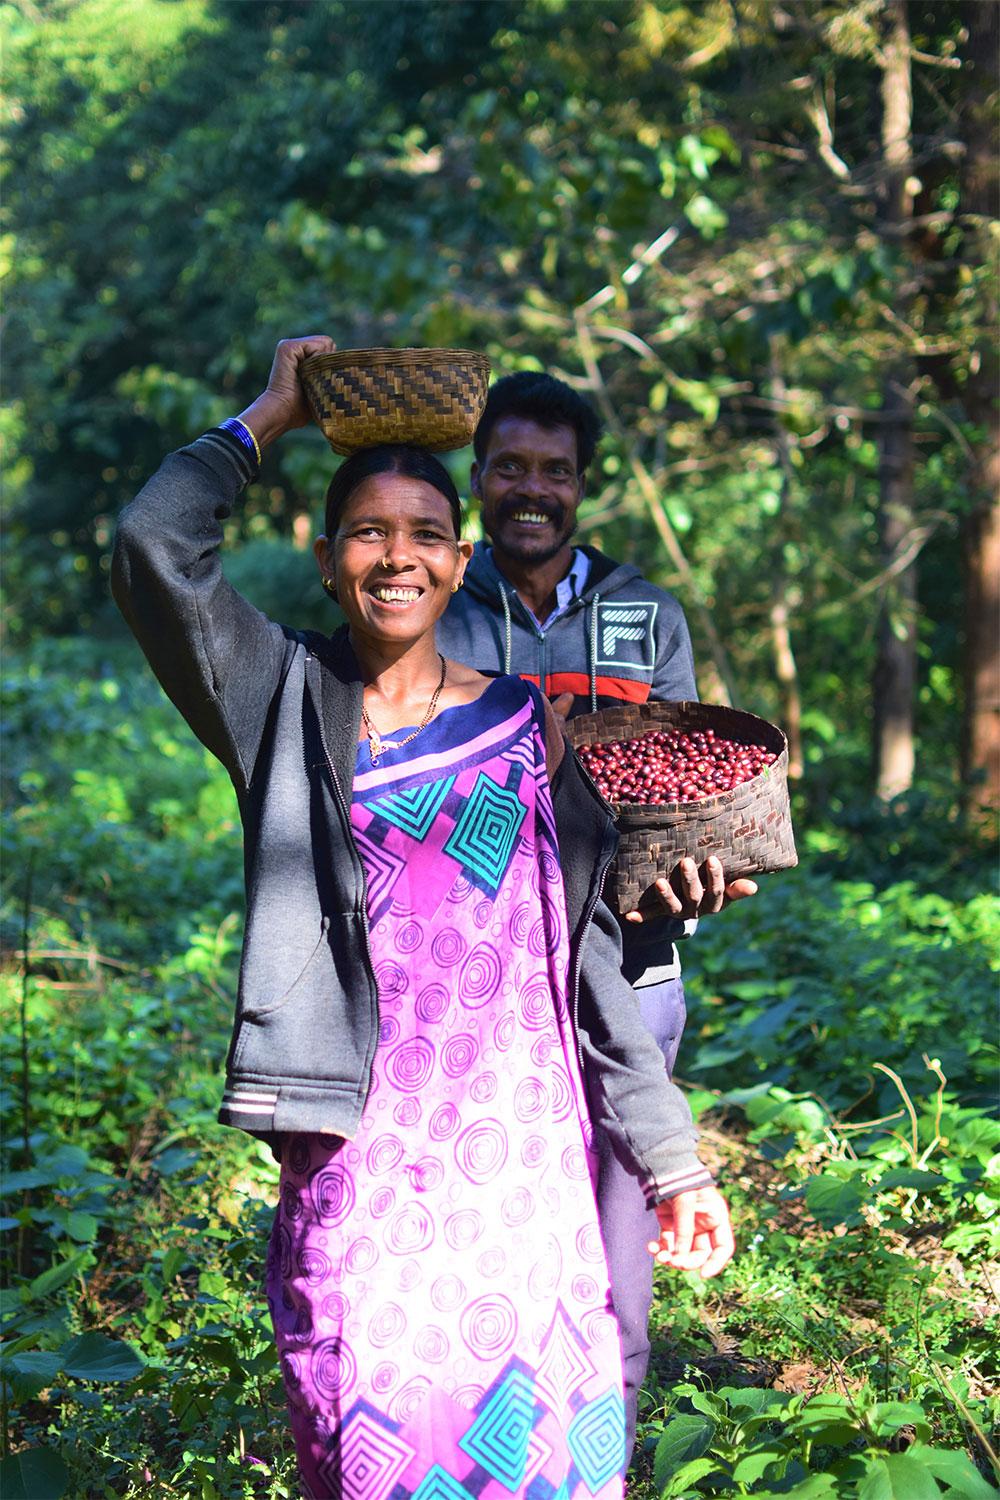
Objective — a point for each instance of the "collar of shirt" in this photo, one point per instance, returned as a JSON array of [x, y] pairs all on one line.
[[570, 587]]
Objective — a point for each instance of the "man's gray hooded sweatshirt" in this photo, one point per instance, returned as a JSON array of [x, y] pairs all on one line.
[[621, 639], [282, 710]]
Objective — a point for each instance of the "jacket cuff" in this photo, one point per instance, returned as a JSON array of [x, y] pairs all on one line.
[[684, 1180], [223, 452]]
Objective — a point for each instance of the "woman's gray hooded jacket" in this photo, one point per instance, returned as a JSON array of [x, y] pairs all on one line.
[[282, 709]]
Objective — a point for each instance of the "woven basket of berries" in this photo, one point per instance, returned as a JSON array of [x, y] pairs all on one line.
[[688, 779]]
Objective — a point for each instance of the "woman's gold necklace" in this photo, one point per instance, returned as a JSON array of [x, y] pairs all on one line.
[[375, 740]]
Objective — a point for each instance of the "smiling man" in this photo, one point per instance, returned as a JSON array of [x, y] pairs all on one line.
[[568, 618], [591, 632]]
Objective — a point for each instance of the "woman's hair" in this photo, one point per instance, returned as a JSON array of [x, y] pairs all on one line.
[[390, 458]]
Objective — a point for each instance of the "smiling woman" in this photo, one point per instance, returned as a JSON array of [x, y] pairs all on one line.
[[427, 969]]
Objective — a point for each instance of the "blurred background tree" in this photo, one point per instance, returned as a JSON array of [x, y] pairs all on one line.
[[762, 238]]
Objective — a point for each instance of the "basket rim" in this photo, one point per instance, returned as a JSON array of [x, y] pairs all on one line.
[[643, 811], [340, 359]]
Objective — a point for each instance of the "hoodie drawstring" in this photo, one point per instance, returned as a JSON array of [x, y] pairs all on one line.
[[593, 652]]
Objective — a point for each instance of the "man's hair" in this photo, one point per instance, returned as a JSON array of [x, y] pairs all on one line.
[[390, 458], [545, 400]]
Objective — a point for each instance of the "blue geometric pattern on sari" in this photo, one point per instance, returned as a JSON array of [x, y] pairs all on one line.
[[413, 811], [499, 1439], [485, 835]]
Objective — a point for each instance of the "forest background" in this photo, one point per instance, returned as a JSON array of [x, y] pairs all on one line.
[[762, 238]]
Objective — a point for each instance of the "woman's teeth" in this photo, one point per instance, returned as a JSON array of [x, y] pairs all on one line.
[[396, 595]]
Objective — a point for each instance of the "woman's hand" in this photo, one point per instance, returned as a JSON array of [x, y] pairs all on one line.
[[695, 1232], [283, 405]]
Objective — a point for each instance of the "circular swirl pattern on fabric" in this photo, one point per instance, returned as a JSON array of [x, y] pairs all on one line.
[[541, 1052], [410, 1230], [503, 1031], [333, 1368], [314, 1265], [549, 866], [426, 1174], [382, 1202], [480, 976], [410, 1275], [574, 1163], [384, 1153], [410, 1399], [390, 978], [469, 1396], [489, 1325], [409, 937], [482, 914], [409, 1065], [298, 1155], [517, 1207], [534, 1150], [333, 1195], [386, 1325], [546, 1272], [291, 1370], [484, 1088], [361, 1255], [539, 939], [535, 1005], [407, 1112], [443, 1122], [492, 1262], [303, 1330], [463, 1228], [520, 924], [589, 1243], [431, 1344], [562, 1098], [389, 1030], [458, 1054], [432, 1002], [598, 1326], [448, 947], [461, 890], [448, 1292], [336, 1307], [291, 1201], [585, 1289], [530, 1099], [384, 1377], [481, 1150]]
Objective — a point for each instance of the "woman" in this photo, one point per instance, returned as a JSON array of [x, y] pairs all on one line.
[[429, 976]]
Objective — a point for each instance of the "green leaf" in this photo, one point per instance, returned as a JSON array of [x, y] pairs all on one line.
[[955, 1469], [897, 1476], [910, 1177], [890, 1416], [833, 1201], [173, 1259], [752, 1467], [754, 1398], [683, 1438], [690, 1473], [93, 1356], [33, 1474], [56, 1276], [813, 1488]]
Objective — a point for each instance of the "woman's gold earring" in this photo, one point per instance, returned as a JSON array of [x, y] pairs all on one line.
[[454, 588]]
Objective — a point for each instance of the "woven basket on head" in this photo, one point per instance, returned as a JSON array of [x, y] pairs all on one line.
[[748, 828], [432, 398]]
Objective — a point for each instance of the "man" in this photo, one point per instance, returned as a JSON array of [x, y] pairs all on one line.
[[591, 632]]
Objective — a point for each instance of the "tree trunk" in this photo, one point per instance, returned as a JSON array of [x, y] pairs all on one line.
[[981, 527], [781, 608], [895, 667]]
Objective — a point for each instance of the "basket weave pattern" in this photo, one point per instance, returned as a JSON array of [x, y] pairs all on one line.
[[432, 398], [749, 828]]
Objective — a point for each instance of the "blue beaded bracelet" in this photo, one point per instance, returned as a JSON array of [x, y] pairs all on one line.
[[241, 431]]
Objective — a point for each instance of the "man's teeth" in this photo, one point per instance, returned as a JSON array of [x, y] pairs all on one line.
[[397, 595], [529, 517]]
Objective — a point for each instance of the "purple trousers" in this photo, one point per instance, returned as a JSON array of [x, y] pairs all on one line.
[[627, 1225]]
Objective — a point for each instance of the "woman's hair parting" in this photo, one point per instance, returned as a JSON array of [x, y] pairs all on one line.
[[389, 458]]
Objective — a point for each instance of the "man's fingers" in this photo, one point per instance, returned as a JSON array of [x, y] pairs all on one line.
[[562, 704]]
